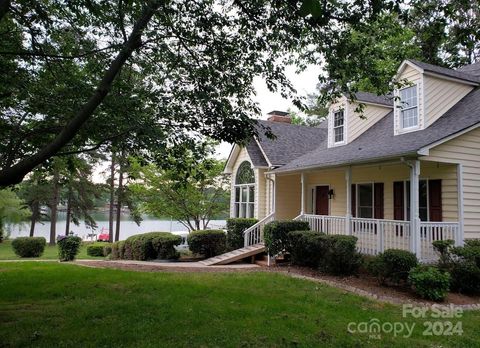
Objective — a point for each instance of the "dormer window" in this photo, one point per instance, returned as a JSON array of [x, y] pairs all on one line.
[[409, 107], [339, 126]]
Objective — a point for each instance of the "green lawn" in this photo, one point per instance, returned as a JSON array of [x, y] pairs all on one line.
[[63, 305], [50, 253]]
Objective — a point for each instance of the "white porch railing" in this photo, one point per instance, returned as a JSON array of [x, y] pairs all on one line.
[[325, 223], [254, 234], [432, 231], [375, 235]]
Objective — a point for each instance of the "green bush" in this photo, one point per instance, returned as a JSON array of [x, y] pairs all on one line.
[[118, 250], [465, 276], [429, 282], [208, 243], [341, 257], [29, 246], [150, 246], [393, 265], [68, 247], [463, 264], [235, 229], [276, 234], [99, 249], [308, 248]]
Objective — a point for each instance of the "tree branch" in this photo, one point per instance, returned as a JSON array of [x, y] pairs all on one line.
[[16, 173], [58, 56]]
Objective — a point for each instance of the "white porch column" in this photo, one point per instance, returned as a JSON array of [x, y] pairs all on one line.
[[415, 246], [302, 210], [348, 216], [460, 237]]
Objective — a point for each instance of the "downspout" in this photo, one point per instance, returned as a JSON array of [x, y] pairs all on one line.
[[267, 176]]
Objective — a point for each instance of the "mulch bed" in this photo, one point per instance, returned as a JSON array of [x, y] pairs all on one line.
[[366, 284]]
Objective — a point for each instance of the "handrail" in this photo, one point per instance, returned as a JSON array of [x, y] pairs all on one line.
[[254, 234]]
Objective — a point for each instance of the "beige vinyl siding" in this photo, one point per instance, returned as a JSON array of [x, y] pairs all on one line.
[[411, 74], [288, 196], [387, 174], [440, 96], [372, 114], [465, 150]]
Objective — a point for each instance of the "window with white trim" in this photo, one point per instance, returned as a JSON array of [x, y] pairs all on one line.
[[338, 126], [365, 200], [244, 191], [408, 107]]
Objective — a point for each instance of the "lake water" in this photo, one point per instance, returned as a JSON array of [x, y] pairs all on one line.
[[127, 227]]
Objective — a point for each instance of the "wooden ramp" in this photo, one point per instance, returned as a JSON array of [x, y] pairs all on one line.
[[234, 255]]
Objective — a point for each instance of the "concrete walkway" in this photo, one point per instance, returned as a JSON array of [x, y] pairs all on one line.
[[173, 265]]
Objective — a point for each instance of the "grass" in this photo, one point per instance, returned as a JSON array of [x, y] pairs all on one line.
[[63, 305], [50, 253]]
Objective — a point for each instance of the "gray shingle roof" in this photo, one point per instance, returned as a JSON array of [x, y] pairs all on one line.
[[291, 141], [458, 74], [256, 155], [472, 69], [379, 142], [373, 98]]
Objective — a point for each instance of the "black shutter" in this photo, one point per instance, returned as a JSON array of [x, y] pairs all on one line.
[[354, 200], [378, 204], [398, 201], [435, 199]]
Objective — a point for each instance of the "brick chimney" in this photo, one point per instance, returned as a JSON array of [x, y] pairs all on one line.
[[279, 116]]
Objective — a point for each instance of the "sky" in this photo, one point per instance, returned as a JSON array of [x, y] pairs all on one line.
[[305, 83]]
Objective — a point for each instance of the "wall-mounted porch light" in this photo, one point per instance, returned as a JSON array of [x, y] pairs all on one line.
[[331, 194]]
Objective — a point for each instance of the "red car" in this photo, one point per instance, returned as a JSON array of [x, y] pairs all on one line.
[[103, 237]]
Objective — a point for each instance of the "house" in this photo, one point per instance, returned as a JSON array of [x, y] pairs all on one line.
[[404, 175]]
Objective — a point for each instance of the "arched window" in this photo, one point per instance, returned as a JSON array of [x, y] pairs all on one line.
[[245, 191]]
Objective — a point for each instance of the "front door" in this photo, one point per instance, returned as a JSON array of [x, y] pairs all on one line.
[[321, 201]]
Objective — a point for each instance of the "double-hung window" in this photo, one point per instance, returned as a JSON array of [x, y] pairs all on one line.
[[409, 107], [244, 191], [339, 126]]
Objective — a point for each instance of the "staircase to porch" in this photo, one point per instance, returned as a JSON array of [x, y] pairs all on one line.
[[235, 255]]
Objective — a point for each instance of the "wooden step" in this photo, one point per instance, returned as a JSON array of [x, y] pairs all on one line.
[[234, 255]]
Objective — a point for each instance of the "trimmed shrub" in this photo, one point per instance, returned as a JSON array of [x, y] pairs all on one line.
[[235, 229], [118, 250], [463, 263], [68, 247], [98, 249], [29, 246], [341, 257], [276, 234], [208, 243], [107, 249], [308, 248], [393, 265], [150, 246], [465, 276], [429, 282]]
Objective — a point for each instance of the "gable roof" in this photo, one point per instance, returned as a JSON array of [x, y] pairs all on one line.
[[379, 142], [374, 99], [455, 74], [291, 141], [256, 155], [472, 69]]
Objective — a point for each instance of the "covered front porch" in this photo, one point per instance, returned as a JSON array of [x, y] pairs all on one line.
[[403, 204]]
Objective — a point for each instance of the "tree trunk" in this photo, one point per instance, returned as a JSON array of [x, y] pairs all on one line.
[[35, 217], [53, 207], [69, 211], [16, 173], [112, 198], [119, 200]]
